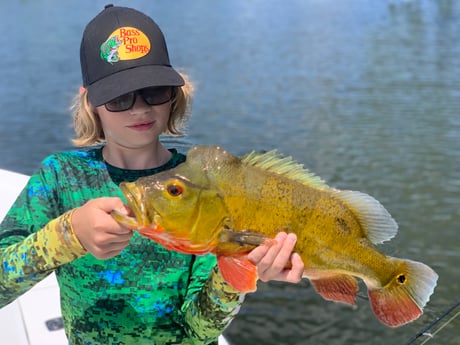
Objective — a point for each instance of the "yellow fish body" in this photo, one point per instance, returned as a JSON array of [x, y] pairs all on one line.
[[218, 203]]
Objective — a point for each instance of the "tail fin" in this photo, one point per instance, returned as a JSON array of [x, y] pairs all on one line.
[[403, 298]]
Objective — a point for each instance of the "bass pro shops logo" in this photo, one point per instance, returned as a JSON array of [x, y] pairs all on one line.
[[126, 43]]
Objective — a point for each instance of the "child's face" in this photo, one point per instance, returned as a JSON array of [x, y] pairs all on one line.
[[137, 127]]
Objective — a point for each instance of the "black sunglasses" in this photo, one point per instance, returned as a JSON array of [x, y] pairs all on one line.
[[151, 95]]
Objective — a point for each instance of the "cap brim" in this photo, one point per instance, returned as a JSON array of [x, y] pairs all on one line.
[[104, 90]]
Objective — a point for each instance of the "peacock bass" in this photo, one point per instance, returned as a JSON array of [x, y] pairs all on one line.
[[218, 203]]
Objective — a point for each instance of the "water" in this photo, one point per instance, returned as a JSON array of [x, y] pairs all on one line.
[[365, 93]]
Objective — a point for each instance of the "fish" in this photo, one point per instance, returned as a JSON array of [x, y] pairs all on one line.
[[216, 202]]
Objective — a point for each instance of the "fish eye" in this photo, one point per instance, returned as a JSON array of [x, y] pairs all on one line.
[[174, 190]]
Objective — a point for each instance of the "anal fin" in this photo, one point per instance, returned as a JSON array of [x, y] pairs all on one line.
[[338, 288]]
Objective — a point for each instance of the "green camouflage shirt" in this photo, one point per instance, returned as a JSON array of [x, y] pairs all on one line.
[[144, 295]]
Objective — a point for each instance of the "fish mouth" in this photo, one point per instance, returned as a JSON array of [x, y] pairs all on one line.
[[136, 203]]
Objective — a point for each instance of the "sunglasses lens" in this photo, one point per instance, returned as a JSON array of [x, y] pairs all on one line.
[[157, 95], [122, 103], [151, 96]]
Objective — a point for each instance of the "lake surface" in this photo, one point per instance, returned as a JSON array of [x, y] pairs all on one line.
[[365, 93]]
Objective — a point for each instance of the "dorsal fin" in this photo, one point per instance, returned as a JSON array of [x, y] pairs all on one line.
[[374, 218], [274, 162]]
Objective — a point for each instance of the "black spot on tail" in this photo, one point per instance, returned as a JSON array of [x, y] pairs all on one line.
[[401, 279]]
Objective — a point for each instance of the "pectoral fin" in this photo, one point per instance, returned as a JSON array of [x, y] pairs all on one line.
[[338, 288], [245, 237], [239, 272]]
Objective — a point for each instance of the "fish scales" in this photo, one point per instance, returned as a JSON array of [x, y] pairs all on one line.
[[218, 203], [269, 204], [275, 203], [285, 206]]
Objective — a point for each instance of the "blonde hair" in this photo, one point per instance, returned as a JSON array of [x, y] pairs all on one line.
[[88, 128]]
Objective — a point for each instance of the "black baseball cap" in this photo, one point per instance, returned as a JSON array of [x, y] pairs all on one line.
[[123, 50]]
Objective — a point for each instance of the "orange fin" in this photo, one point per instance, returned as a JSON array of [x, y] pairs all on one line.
[[338, 288], [403, 298], [393, 310], [239, 272]]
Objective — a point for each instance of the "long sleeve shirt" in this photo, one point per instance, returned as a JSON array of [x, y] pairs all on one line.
[[144, 295]]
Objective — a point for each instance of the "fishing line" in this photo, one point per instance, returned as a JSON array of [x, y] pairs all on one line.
[[434, 322], [444, 325]]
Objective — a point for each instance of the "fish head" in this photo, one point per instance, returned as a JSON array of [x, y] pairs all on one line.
[[174, 211]]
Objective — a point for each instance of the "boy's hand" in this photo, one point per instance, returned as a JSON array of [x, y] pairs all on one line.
[[278, 262], [97, 231]]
